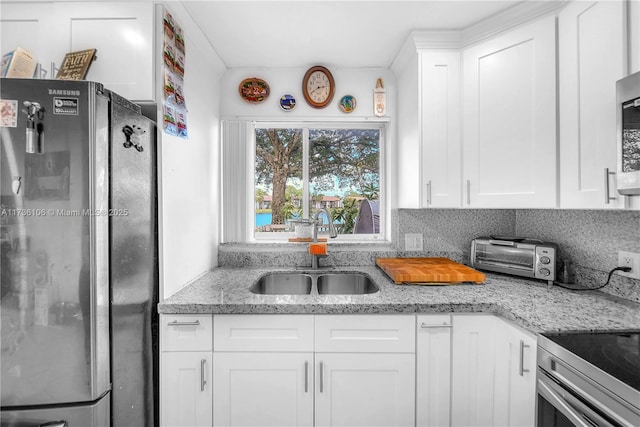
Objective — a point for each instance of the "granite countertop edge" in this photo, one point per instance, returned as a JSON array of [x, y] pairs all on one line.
[[530, 304]]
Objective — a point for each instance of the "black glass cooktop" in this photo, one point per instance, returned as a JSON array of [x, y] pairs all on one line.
[[616, 353]]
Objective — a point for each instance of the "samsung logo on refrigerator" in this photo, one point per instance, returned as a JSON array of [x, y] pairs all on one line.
[[64, 92]]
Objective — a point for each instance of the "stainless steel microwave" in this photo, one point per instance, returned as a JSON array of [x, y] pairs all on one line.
[[628, 135]]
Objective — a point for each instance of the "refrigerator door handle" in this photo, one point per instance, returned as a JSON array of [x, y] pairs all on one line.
[[60, 423]]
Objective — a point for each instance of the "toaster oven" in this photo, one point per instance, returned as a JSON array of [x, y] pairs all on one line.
[[518, 256]]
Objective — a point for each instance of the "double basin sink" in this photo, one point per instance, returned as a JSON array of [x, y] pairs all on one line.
[[324, 283]]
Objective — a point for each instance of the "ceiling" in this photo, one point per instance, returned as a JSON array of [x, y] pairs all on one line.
[[349, 34]]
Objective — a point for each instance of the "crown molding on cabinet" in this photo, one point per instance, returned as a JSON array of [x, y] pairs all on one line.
[[517, 15]]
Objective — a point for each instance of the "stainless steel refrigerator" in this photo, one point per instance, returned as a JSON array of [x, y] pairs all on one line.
[[78, 257]]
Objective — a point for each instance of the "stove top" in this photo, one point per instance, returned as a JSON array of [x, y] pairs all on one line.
[[616, 353]]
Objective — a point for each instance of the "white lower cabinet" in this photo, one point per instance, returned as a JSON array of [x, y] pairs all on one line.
[[305, 370], [365, 389], [186, 389], [346, 370], [433, 370], [515, 375], [263, 389], [186, 371], [493, 375]]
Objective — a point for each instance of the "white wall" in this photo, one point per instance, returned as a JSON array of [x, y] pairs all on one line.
[[358, 82], [189, 195]]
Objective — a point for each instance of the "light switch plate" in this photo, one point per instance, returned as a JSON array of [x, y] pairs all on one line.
[[413, 242]]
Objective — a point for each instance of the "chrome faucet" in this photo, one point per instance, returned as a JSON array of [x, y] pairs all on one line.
[[316, 221]]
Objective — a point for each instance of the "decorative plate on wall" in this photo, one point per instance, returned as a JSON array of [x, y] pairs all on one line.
[[347, 103], [253, 90], [287, 102]]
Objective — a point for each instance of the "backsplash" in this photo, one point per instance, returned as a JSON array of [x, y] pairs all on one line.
[[450, 230], [589, 239]]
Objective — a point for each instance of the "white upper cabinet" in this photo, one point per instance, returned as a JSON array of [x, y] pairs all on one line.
[[509, 87], [440, 131], [27, 26], [592, 57], [122, 33]]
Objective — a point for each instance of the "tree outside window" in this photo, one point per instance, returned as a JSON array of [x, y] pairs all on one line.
[[343, 170]]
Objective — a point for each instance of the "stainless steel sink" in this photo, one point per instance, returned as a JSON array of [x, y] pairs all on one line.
[[283, 284], [314, 283], [345, 284]]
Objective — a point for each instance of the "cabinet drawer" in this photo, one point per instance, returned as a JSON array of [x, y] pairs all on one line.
[[256, 332], [186, 332], [363, 334]]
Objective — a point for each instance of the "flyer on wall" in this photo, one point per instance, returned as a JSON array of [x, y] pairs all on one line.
[[174, 104]]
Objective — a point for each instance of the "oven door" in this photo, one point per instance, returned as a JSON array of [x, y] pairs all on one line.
[[504, 257], [559, 406]]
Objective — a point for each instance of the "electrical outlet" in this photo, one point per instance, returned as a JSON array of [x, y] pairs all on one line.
[[413, 242], [629, 259]]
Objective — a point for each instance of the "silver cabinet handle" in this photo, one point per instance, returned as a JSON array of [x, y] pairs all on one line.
[[427, 325], [176, 323], [61, 423], [321, 377], [607, 196], [429, 193], [203, 381], [468, 192], [306, 376], [522, 347]]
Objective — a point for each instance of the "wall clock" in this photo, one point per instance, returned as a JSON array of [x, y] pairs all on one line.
[[318, 86]]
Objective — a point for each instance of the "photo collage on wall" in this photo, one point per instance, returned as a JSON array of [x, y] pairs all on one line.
[[173, 52]]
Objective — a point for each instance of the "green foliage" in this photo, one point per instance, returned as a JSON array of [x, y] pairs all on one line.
[[290, 211], [346, 215], [349, 155], [371, 190]]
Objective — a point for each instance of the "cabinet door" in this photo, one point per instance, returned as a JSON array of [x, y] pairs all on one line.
[[433, 370], [185, 395], [122, 33], [510, 119], [28, 25], [263, 389], [440, 129], [515, 376], [592, 57], [366, 389], [472, 379]]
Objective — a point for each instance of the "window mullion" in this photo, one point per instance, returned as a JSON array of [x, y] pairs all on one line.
[[305, 172]]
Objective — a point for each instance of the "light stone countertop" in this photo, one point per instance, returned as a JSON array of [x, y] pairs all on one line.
[[528, 303]]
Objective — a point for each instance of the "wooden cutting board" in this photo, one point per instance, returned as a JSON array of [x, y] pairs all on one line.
[[428, 271]]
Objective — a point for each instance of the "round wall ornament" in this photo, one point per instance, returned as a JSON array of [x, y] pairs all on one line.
[[253, 90]]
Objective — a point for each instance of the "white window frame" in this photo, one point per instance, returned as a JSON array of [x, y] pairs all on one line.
[[305, 126]]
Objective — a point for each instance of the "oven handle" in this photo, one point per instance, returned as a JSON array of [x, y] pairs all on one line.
[[566, 405]]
